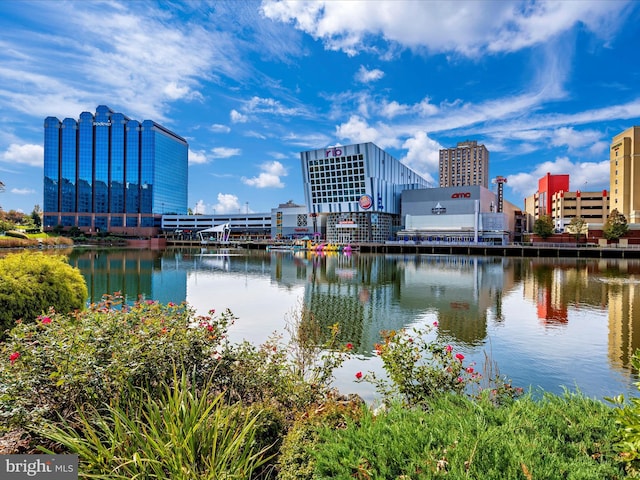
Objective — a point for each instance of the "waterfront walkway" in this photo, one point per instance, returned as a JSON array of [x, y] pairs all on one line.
[[514, 250]]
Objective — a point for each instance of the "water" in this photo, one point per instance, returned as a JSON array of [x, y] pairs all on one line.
[[546, 323]]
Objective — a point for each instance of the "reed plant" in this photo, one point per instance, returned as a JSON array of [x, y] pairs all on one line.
[[177, 431]]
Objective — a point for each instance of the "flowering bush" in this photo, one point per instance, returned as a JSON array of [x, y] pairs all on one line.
[[60, 361], [418, 368]]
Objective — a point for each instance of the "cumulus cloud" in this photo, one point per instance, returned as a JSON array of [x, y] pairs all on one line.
[[200, 208], [227, 203], [269, 177], [27, 154], [366, 76], [585, 176], [423, 156], [225, 152], [358, 130], [467, 27], [237, 117], [197, 157]]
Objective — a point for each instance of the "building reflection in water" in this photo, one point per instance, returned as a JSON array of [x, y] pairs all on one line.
[[471, 298]]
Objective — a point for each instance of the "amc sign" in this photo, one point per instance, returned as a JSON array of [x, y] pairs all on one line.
[[461, 195]]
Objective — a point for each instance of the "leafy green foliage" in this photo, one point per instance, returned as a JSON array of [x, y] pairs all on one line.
[[419, 367], [557, 437], [31, 283], [61, 361], [616, 226], [628, 422], [577, 227], [544, 226], [176, 431]]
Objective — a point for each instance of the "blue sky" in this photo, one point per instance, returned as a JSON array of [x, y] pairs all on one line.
[[544, 85]]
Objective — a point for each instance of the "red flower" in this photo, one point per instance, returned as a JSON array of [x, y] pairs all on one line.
[[448, 348], [349, 346], [435, 324], [460, 356], [470, 370], [13, 357], [359, 375], [46, 320]]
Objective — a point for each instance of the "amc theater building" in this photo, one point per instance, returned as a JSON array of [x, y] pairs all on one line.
[[467, 214], [356, 190]]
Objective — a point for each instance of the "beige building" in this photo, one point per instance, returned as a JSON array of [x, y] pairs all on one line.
[[625, 174], [465, 165], [592, 207]]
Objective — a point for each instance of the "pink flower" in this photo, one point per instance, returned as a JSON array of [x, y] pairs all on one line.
[[435, 324], [46, 320], [359, 375], [349, 346], [459, 379], [13, 357], [448, 348], [150, 302], [460, 356]]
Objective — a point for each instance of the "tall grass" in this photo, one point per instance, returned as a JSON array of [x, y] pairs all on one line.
[[178, 432]]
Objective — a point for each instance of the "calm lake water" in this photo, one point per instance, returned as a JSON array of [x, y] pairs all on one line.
[[547, 323]]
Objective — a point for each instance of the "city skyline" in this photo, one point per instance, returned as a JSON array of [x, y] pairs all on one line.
[[545, 86]]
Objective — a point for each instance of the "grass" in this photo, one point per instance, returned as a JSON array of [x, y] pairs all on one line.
[[557, 437]]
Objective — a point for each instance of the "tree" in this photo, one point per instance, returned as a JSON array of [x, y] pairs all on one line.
[[577, 227], [616, 226], [544, 226], [30, 283], [35, 218]]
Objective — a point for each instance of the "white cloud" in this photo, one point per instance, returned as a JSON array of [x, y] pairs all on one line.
[[28, 154], [269, 177], [218, 128], [468, 27], [197, 157], [200, 208], [357, 130], [423, 156], [225, 152], [22, 191], [366, 76], [269, 105], [237, 117], [585, 176], [227, 203]]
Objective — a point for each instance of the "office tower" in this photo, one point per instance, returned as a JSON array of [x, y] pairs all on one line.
[[107, 172], [466, 164], [355, 190], [624, 177]]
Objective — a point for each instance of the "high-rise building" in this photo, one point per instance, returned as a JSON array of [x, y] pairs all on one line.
[[355, 190], [466, 164], [107, 172], [624, 174]]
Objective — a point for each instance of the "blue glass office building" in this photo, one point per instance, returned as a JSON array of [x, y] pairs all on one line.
[[107, 172]]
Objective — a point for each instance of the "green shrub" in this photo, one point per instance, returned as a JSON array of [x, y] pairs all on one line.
[[628, 423], [557, 437], [177, 431], [62, 361], [31, 283], [16, 234]]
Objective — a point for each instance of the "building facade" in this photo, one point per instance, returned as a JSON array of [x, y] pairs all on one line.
[[109, 173], [592, 207], [540, 203], [464, 165], [625, 174], [356, 191], [457, 215]]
